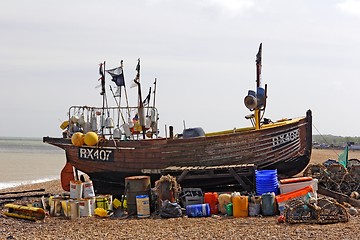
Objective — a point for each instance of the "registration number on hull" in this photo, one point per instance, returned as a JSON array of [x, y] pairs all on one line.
[[96, 154]]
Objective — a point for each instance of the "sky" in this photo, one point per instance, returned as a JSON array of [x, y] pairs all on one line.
[[201, 52]]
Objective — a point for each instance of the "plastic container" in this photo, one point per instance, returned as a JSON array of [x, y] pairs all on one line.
[[224, 199], [76, 189], [254, 209], [229, 209], [266, 181], [268, 206], [212, 199], [240, 206], [143, 206], [198, 210], [294, 186]]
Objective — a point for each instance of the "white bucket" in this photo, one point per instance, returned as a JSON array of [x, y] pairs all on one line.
[[55, 207], [88, 189], [142, 206], [65, 206], [74, 210], [85, 207], [76, 188], [92, 202]]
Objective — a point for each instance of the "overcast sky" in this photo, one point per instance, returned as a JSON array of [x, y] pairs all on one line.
[[202, 53]]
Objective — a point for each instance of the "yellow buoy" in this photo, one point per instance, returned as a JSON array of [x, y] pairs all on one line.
[[77, 139], [91, 138]]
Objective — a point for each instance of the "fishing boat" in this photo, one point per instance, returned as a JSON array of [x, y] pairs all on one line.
[[134, 146]]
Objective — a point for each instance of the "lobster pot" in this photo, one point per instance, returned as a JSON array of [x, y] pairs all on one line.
[[76, 189], [142, 206], [136, 186], [266, 181], [88, 189]]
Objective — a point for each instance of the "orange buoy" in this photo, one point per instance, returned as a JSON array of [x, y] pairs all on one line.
[[67, 175], [77, 139]]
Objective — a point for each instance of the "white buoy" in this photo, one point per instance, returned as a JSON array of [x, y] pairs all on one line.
[[117, 133], [126, 129], [81, 120], [109, 122], [93, 122]]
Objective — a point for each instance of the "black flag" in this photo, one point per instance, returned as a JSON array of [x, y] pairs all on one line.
[[102, 78], [117, 75]]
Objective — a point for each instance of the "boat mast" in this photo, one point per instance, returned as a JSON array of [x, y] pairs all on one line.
[[258, 84], [140, 106]]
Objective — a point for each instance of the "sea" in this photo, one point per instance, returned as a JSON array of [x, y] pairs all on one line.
[[28, 160]]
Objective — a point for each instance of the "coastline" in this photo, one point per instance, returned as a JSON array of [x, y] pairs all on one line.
[[218, 226]]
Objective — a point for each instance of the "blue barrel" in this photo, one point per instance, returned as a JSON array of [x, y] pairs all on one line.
[[268, 206], [266, 181], [198, 210]]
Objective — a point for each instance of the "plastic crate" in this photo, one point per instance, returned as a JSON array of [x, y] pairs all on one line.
[[191, 196]]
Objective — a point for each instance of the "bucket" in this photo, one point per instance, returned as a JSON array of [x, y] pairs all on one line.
[[76, 188], [136, 185], [88, 189], [266, 181], [268, 204], [198, 210], [240, 206], [55, 207], [212, 199], [85, 207], [142, 206], [74, 210]]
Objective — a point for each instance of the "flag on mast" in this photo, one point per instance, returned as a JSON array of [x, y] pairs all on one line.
[[117, 75], [343, 157], [102, 78]]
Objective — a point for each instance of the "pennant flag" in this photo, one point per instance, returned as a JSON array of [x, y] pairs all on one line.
[[147, 99], [343, 157], [137, 78], [102, 78], [117, 75]]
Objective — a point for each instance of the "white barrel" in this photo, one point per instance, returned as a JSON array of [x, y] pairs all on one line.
[[76, 189], [143, 206]]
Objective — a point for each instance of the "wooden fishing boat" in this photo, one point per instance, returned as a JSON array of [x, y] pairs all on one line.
[[284, 145]]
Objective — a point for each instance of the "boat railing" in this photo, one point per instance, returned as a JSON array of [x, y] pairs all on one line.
[[114, 122]]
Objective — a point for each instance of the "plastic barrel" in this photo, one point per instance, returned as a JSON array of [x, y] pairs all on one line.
[[198, 210]]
